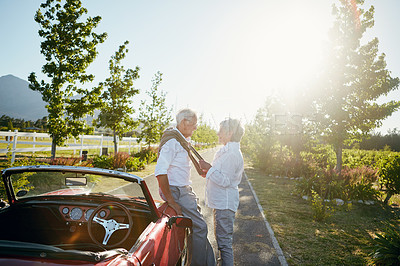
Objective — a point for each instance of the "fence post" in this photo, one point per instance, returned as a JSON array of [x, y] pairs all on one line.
[[34, 141], [117, 145], [129, 146], [14, 146], [101, 145], [80, 153]]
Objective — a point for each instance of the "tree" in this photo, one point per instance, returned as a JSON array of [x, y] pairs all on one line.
[[352, 81], [204, 133], [69, 48], [259, 140], [116, 111], [155, 116]]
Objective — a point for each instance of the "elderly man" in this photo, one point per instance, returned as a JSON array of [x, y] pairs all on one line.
[[173, 175]]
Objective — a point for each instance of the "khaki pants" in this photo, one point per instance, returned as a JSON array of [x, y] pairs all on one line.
[[202, 253]]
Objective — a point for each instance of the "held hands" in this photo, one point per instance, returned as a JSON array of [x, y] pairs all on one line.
[[205, 166]]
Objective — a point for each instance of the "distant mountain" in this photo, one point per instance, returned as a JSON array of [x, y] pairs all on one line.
[[17, 100]]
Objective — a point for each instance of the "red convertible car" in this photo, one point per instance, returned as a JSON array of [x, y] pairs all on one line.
[[60, 215]]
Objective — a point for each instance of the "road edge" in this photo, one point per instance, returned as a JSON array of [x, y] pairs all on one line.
[[275, 243]]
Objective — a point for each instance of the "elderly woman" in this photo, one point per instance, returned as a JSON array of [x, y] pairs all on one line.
[[222, 180]]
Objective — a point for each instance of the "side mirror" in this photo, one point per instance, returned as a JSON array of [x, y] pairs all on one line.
[[22, 193], [180, 221]]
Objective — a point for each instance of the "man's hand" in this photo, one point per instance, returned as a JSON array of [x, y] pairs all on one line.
[[176, 207], [164, 186], [205, 166]]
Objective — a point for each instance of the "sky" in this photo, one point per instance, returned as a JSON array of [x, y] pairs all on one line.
[[221, 58]]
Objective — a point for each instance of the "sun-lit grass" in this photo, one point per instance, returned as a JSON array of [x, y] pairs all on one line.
[[342, 239]]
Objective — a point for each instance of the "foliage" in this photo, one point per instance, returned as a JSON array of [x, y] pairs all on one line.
[[204, 134], [389, 175], [116, 111], [134, 164], [352, 184], [120, 159], [147, 155], [386, 249], [22, 182], [378, 142], [343, 239], [258, 142], [354, 77], [9, 123], [103, 161], [320, 210], [70, 161], [155, 116], [69, 47]]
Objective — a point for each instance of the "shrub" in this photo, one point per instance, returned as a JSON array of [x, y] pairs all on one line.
[[69, 161], [319, 208], [103, 161], [134, 164], [120, 159], [386, 249], [147, 155], [389, 175], [363, 173]]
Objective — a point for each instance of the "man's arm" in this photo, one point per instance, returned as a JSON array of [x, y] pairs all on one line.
[[164, 186]]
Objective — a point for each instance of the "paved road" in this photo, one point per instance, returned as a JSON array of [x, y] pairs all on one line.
[[252, 242]]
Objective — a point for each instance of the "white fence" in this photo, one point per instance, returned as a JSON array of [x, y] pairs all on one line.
[[12, 139]]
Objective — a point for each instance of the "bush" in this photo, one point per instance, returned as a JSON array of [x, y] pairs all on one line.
[[120, 159], [353, 184], [319, 208], [386, 249], [134, 164], [103, 161], [389, 175], [147, 155], [69, 161]]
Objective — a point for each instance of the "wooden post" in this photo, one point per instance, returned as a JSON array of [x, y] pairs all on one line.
[[14, 146], [80, 153], [101, 145], [34, 140]]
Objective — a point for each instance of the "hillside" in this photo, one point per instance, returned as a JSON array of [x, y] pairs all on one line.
[[19, 101]]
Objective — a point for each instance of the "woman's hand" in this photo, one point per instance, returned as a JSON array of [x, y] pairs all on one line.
[[205, 166]]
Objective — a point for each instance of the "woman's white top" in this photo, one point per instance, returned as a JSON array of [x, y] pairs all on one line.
[[223, 178]]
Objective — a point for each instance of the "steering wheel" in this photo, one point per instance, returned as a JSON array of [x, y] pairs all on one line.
[[110, 225]]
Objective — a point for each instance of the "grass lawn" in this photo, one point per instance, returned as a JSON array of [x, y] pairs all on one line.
[[342, 239]]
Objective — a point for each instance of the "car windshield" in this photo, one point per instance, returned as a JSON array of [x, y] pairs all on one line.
[[31, 184]]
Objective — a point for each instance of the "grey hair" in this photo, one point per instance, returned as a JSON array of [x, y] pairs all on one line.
[[233, 126], [186, 114]]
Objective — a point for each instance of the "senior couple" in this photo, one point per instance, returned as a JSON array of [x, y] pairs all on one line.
[[222, 179]]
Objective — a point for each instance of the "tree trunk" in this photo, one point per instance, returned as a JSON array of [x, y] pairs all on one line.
[[388, 196], [339, 152], [115, 143], [53, 149]]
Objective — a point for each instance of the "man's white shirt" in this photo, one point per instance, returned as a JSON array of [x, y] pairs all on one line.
[[174, 162]]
